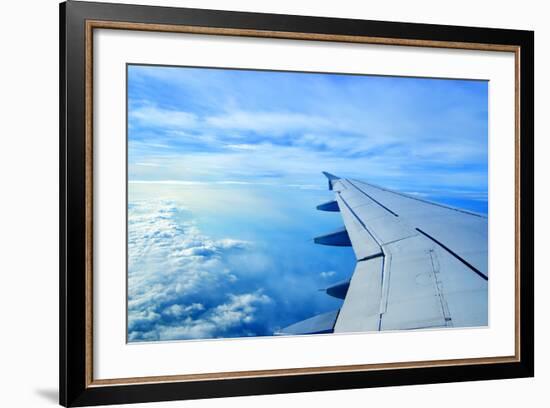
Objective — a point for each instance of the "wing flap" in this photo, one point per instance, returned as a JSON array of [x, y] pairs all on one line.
[[320, 324], [411, 285], [361, 309], [363, 243], [424, 278]]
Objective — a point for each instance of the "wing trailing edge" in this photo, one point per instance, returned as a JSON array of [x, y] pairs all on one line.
[[320, 324]]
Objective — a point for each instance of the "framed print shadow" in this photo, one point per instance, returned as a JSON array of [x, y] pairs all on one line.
[[257, 203]]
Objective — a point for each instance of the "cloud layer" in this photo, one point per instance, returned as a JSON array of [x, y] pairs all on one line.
[[180, 285], [213, 124]]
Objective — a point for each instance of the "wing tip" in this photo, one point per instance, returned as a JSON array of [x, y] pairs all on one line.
[[330, 176]]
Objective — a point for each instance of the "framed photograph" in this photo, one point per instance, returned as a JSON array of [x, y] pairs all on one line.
[[256, 203]]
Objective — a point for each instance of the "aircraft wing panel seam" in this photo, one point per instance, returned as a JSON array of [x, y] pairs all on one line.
[[454, 254], [399, 239], [373, 199], [420, 199], [360, 221], [386, 272], [367, 258]]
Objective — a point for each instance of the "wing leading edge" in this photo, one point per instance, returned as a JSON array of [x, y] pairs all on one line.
[[419, 264]]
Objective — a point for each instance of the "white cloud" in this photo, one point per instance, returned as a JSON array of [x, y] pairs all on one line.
[[150, 164], [178, 310], [308, 186], [327, 274], [179, 283], [240, 308], [268, 122], [152, 116], [242, 146], [228, 243]]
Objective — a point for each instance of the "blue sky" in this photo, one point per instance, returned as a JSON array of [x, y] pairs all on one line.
[[224, 171]]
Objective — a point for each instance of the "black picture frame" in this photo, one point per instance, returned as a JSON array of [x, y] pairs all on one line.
[[76, 389]]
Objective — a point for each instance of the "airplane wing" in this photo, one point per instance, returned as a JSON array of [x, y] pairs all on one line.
[[419, 264]]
